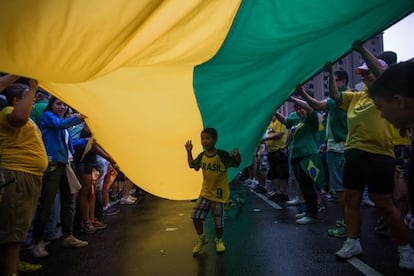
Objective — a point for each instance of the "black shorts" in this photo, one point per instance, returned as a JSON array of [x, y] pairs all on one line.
[[278, 165], [374, 170]]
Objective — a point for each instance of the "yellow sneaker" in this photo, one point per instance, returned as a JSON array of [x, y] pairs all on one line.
[[200, 242], [26, 267], [220, 248]]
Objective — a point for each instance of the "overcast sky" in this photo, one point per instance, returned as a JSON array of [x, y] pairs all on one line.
[[400, 38]]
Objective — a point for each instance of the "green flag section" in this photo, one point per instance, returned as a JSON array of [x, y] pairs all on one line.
[[150, 74], [272, 46]]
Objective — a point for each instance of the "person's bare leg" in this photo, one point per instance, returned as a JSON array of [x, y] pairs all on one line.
[[9, 258], [392, 217], [282, 186], [400, 194], [83, 197], [92, 200], [126, 188], [108, 181], [352, 199]]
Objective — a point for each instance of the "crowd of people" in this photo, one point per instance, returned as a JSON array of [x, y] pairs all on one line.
[[55, 179], [346, 147]]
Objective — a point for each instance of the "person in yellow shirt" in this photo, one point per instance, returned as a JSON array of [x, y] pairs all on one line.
[[215, 190], [23, 161], [393, 94], [277, 157], [369, 160]]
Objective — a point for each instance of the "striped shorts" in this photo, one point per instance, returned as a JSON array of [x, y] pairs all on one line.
[[202, 207]]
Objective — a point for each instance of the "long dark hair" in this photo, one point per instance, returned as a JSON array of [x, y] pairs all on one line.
[[49, 106]]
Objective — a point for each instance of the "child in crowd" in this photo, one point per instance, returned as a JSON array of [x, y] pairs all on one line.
[[215, 189]]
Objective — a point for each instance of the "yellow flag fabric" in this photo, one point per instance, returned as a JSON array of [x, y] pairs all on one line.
[[128, 66], [151, 74]]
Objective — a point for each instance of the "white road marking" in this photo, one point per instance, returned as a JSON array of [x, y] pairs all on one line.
[[355, 262], [363, 267], [268, 201]]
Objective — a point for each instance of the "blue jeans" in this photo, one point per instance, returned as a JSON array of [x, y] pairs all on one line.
[[335, 162]]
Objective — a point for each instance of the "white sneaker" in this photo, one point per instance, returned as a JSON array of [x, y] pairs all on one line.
[[39, 251], [71, 241], [132, 198], [349, 249], [294, 202], [127, 201], [306, 220], [300, 215], [406, 258]]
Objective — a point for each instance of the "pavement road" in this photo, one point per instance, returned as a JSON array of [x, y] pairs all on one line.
[[155, 237]]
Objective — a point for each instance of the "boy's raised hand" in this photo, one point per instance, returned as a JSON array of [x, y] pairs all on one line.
[[236, 154], [189, 146]]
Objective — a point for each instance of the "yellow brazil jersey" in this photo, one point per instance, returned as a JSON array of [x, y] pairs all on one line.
[[367, 130], [274, 127], [21, 149], [215, 182]]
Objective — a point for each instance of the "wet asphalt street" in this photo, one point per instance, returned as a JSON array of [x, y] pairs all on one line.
[[156, 236]]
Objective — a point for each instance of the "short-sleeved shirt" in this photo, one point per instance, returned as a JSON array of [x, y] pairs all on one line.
[[337, 121], [367, 130], [215, 183], [21, 149], [37, 110], [276, 144], [304, 134]]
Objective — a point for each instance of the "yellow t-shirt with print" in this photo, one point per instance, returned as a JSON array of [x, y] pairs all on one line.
[[367, 130], [215, 182], [276, 144], [21, 149]]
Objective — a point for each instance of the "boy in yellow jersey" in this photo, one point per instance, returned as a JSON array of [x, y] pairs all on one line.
[[215, 190], [369, 160]]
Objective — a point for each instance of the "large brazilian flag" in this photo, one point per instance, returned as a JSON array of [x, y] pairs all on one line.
[[151, 74]]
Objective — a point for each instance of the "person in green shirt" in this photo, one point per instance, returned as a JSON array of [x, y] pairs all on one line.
[[40, 104], [336, 132], [305, 158]]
